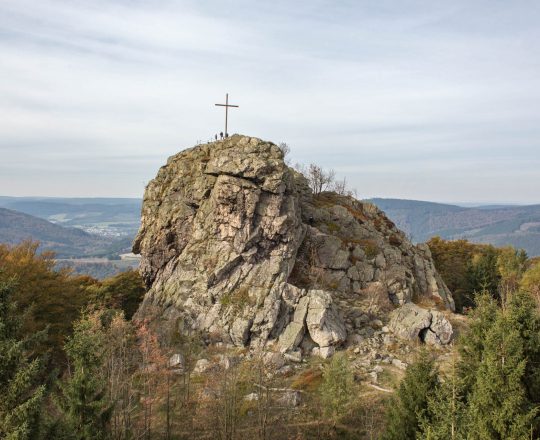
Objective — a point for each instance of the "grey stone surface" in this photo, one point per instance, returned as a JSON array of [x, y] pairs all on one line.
[[324, 324], [201, 366], [415, 323]]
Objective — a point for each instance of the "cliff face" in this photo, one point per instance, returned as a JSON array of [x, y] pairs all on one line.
[[234, 244]]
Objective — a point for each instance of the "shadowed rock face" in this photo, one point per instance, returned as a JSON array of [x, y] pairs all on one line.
[[234, 244]]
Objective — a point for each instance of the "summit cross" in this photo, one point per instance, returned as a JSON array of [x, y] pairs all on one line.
[[226, 105]]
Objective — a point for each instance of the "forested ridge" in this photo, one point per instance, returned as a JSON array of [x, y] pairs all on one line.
[[499, 225]]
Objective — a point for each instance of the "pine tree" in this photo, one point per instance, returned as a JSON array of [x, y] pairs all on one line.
[[21, 399], [409, 406], [336, 387], [444, 417], [498, 405], [483, 272], [86, 409], [471, 344], [524, 316]]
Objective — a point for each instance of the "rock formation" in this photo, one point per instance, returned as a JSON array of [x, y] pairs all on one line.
[[234, 244], [412, 322]]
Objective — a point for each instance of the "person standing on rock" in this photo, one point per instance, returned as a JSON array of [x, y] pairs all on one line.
[[221, 135]]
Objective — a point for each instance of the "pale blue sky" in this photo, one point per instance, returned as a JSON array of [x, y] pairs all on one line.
[[431, 100]]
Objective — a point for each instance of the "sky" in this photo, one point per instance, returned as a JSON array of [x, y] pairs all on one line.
[[429, 100]]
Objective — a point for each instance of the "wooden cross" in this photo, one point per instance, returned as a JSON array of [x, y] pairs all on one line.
[[226, 105]]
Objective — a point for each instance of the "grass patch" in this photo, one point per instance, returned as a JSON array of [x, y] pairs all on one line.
[[237, 299], [390, 378], [333, 227], [358, 215], [370, 247], [326, 200], [308, 380]]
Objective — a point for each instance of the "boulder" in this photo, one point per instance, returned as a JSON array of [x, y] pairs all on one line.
[[273, 360], [176, 361], [441, 328], [324, 324], [324, 352], [293, 356], [294, 332], [415, 323], [251, 397], [240, 331], [291, 336], [201, 366]]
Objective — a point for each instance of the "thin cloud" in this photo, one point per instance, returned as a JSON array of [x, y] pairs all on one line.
[[405, 99]]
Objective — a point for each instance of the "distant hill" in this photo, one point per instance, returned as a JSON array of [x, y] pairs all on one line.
[[65, 242], [118, 219], [109, 217], [518, 226]]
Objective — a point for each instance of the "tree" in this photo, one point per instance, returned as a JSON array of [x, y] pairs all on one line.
[[51, 299], [21, 398], [483, 271], [499, 368], [498, 405], [410, 404], [119, 366], [336, 387], [525, 318], [123, 291], [530, 281], [84, 401], [510, 265], [153, 374], [453, 259], [341, 188], [222, 408], [285, 149], [444, 417], [319, 180], [472, 343]]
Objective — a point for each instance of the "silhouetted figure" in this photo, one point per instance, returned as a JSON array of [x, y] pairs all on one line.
[[215, 136], [221, 134], [311, 220], [226, 135]]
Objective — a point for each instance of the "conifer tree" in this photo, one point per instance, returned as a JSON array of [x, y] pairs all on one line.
[[483, 272], [336, 387], [444, 417], [471, 344], [498, 405], [20, 399], [409, 406], [86, 409], [524, 316]]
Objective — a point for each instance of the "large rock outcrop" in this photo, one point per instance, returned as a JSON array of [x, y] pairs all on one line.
[[234, 244]]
